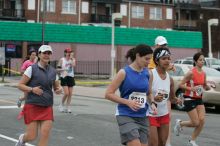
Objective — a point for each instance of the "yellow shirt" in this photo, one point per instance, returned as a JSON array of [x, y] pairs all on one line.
[[151, 65]]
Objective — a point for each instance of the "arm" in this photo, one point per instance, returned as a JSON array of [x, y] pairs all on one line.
[[206, 87], [110, 92], [173, 97], [183, 82], [57, 87], [74, 62], [25, 79], [59, 65], [150, 95]]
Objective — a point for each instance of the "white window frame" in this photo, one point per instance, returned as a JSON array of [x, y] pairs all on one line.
[[123, 9], [137, 12], [156, 13], [169, 13], [51, 5], [69, 9], [31, 4]]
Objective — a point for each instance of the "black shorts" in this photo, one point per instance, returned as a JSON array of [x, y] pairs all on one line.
[[67, 81], [191, 104]]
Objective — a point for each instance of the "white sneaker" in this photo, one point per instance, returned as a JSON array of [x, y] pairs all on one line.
[[168, 144], [192, 143], [177, 128], [20, 141], [69, 110], [61, 108]]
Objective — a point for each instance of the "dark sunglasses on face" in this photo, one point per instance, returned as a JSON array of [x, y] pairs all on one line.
[[47, 52]]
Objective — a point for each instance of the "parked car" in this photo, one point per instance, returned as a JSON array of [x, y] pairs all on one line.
[[209, 62], [211, 97]]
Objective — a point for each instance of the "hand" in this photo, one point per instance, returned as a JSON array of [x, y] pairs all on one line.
[[179, 101], [172, 67], [134, 105], [154, 109], [37, 90], [58, 90], [159, 97]]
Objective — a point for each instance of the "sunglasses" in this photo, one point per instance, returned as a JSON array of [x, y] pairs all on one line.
[[47, 52]]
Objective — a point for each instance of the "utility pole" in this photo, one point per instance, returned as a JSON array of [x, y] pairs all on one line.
[[43, 20]]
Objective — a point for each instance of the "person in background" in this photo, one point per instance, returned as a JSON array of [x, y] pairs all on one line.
[[194, 83], [133, 84], [37, 82], [161, 42], [30, 59], [66, 68], [162, 90]]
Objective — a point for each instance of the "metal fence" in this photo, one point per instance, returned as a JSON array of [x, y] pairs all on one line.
[[94, 69]]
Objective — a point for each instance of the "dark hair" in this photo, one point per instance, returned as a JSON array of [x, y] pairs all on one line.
[[31, 51], [157, 51], [141, 49], [196, 57]]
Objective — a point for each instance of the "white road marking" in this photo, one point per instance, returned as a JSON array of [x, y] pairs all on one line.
[[8, 107], [14, 140]]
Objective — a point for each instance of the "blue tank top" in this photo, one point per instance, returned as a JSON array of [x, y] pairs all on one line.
[[135, 83]]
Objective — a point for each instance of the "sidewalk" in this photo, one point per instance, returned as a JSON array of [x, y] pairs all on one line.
[[89, 88]]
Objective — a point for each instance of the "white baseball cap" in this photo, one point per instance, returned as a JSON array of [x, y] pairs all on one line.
[[44, 48], [160, 40]]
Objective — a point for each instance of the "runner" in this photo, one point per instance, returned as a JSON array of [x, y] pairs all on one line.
[[162, 89], [37, 82], [133, 84], [193, 83], [65, 66], [161, 42], [30, 59]]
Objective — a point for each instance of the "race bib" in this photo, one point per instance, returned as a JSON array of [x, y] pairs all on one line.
[[139, 97], [199, 90], [163, 92]]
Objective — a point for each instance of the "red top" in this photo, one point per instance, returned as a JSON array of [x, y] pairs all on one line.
[[198, 79]]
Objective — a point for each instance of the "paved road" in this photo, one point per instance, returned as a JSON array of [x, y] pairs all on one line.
[[92, 123]]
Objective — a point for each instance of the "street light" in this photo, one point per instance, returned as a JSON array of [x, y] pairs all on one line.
[[211, 22], [114, 17]]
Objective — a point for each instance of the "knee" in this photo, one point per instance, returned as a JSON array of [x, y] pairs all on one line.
[[202, 121], [66, 94], [195, 123], [45, 132], [30, 136]]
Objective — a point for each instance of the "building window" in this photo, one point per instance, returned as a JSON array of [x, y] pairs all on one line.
[[31, 4], [69, 6], [50, 5], [169, 13], [155, 13], [137, 12]]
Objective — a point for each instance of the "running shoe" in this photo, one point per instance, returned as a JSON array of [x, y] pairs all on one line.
[[20, 141], [61, 108], [192, 143], [19, 102], [177, 128], [69, 110]]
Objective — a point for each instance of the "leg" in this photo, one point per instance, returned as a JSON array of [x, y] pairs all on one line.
[[45, 129], [153, 136], [69, 98], [169, 134], [163, 132], [135, 142], [31, 131], [66, 94], [194, 119], [201, 114]]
